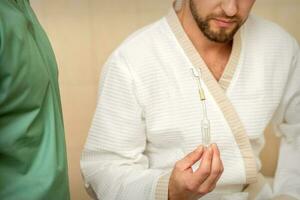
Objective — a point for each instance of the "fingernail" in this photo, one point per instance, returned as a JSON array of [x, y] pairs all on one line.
[[200, 148]]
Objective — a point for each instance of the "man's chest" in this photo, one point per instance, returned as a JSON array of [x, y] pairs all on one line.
[[216, 65]]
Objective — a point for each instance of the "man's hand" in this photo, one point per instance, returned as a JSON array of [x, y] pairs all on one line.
[[185, 184]]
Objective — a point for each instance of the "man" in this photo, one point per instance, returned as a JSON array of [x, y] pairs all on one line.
[[207, 73], [33, 162]]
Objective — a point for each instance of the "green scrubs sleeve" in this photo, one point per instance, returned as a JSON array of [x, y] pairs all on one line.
[[33, 163]]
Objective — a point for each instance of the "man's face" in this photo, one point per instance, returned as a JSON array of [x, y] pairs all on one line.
[[219, 20]]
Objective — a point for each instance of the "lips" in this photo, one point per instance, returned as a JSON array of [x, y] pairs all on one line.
[[225, 20], [224, 23]]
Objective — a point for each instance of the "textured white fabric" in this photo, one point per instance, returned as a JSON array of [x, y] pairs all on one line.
[[287, 178], [148, 112]]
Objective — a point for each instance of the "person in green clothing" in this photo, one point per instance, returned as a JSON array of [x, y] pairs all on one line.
[[33, 164]]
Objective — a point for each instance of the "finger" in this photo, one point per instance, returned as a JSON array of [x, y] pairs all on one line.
[[204, 169], [216, 169], [216, 180], [222, 166], [216, 149], [214, 184], [190, 159]]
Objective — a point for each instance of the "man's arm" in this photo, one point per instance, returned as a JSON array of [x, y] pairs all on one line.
[[113, 163], [287, 178]]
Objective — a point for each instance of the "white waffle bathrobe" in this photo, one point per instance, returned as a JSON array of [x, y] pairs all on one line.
[[148, 113]]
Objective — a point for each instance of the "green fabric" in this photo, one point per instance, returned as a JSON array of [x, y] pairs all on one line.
[[33, 163]]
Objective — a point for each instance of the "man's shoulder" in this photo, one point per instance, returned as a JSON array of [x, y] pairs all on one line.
[[146, 40], [266, 31], [146, 33]]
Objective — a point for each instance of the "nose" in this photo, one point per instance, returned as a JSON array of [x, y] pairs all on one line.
[[230, 7]]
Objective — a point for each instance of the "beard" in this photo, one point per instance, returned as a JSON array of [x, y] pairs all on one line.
[[221, 36]]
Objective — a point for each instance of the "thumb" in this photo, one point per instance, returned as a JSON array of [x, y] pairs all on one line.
[[190, 159]]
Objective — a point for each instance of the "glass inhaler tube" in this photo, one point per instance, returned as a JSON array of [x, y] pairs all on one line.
[[205, 123]]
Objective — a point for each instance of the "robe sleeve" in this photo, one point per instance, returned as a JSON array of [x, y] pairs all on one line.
[[287, 177], [113, 162]]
